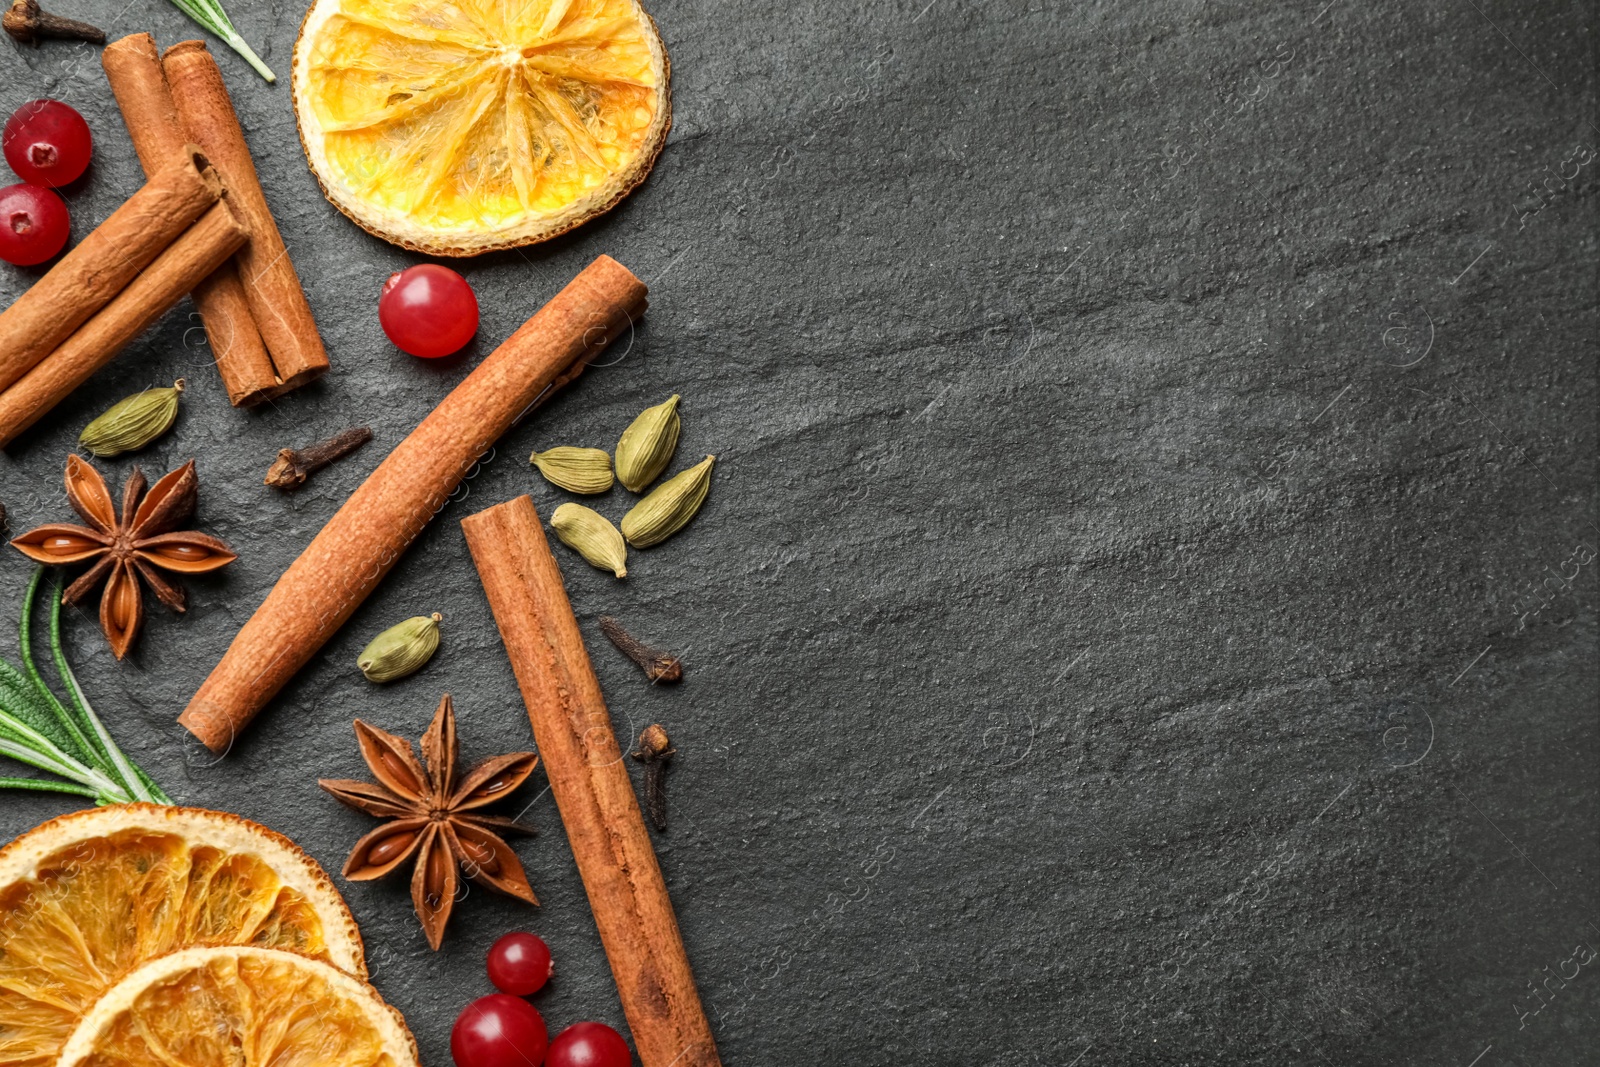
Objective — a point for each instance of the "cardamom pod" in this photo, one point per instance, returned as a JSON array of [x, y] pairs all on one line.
[[592, 536], [669, 507], [133, 422], [577, 470], [402, 649], [645, 447]]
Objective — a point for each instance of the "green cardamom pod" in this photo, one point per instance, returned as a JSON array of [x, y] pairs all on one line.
[[577, 470], [592, 536], [402, 649], [133, 422], [646, 446], [669, 507]]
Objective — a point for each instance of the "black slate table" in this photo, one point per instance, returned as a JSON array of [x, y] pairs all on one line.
[[1134, 619]]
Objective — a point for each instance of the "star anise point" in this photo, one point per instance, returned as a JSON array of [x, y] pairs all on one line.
[[431, 818], [123, 549]]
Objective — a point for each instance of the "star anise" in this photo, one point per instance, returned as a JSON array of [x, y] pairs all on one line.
[[141, 544], [434, 820]]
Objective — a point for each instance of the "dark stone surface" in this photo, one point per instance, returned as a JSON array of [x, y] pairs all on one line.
[[1143, 429]]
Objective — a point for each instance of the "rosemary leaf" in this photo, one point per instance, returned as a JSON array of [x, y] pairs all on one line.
[[44, 785], [156, 792], [121, 770], [71, 743], [23, 749], [209, 14], [20, 701], [74, 738], [21, 732], [27, 746]]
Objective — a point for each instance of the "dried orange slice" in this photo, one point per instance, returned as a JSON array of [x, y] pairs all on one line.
[[89, 897], [455, 127], [238, 1005]]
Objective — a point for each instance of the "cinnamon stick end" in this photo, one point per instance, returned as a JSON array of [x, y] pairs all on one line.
[[611, 266], [209, 725], [194, 156], [295, 381], [183, 47], [134, 42], [255, 397]]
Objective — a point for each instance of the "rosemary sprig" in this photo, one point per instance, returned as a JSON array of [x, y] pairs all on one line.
[[76, 735], [45, 785], [69, 742], [209, 14]]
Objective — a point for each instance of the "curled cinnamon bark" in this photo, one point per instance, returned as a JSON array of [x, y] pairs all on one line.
[[271, 286], [590, 782], [103, 263], [206, 244], [133, 69], [347, 560]]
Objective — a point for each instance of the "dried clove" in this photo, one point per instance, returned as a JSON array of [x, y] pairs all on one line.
[[292, 467], [655, 748], [658, 666], [29, 25], [4, 526]]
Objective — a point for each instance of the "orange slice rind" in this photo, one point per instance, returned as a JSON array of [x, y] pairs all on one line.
[[89, 897], [240, 1005], [456, 127]]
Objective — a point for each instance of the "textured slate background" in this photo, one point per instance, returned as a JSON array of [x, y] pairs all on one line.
[[1116, 633]]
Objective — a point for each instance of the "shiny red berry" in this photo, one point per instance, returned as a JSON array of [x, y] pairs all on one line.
[[33, 224], [499, 1031], [47, 143], [519, 964], [428, 310], [588, 1045]]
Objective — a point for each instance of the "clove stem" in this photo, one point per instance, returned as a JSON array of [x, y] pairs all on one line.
[[658, 666], [29, 24], [292, 467], [655, 748]]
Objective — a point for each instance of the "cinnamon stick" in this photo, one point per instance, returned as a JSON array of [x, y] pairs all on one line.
[[133, 68], [103, 263], [271, 286], [590, 783], [352, 553], [156, 290]]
